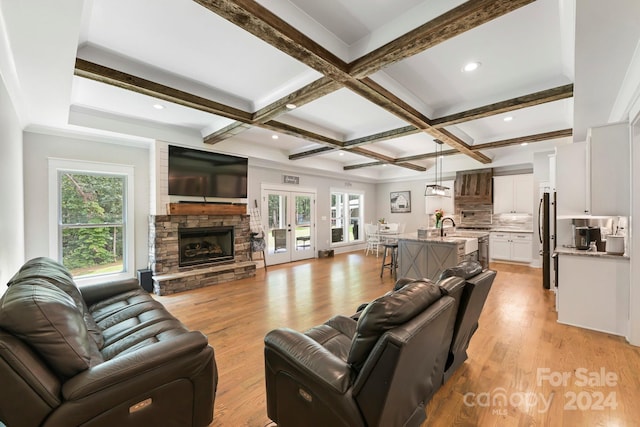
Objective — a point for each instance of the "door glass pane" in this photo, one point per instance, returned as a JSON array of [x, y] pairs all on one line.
[[354, 217], [337, 217], [303, 222], [277, 236]]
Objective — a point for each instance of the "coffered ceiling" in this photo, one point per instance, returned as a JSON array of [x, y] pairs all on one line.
[[374, 82]]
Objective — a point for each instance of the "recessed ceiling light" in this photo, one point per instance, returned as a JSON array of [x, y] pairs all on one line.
[[471, 66], [341, 153], [274, 136], [524, 144], [508, 119], [384, 165], [158, 106], [290, 106]]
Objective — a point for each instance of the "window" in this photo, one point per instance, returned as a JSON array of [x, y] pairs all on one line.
[[91, 225], [346, 217]]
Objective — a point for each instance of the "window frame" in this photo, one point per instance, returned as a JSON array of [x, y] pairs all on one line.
[[346, 217], [56, 166]]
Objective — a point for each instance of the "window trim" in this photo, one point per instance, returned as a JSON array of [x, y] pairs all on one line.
[[56, 165]]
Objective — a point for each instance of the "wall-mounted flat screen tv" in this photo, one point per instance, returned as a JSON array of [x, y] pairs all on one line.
[[206, 174]]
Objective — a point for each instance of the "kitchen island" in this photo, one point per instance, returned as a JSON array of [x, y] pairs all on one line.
[[427, 257]]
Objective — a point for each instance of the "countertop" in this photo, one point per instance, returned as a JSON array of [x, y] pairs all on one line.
[[578, 252], [461, 238], [511, 230]]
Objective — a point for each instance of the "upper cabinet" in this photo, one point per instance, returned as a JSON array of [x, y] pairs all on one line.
[[571, 179], [513, 194], [473, 187], [610, 166], [593, 177]]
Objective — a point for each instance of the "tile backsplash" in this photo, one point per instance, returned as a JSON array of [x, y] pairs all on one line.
[[513, 221]]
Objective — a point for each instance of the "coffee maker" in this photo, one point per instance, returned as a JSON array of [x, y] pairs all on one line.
[[587, 234]]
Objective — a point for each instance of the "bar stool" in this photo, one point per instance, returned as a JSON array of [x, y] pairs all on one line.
[[392, 265]]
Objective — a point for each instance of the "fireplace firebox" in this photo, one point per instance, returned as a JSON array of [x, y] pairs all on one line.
[[205, 245]]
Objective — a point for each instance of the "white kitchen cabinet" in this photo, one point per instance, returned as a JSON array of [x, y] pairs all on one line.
[[571, 179], [593, 177], [509, 246], [609, 164], [513, 194]]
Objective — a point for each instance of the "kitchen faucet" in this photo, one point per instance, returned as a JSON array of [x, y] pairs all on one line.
[[442, 225]]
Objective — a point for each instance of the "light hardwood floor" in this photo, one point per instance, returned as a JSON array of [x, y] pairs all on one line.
[[517, 354]]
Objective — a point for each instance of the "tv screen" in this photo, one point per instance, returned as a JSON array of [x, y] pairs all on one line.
[[206, 174]]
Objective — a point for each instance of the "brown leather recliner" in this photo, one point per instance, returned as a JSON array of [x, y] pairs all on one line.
[[105, 355], [476, 289], [377, 371]]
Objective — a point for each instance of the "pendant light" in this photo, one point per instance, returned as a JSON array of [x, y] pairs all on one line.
[[437, 189]]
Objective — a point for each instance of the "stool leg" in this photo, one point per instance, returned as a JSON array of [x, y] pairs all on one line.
[[384, 257], [394, 263]]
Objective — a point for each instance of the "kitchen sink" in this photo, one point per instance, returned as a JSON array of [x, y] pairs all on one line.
[[470, 243]]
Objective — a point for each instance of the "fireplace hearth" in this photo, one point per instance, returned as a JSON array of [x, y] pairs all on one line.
[[205, 245]]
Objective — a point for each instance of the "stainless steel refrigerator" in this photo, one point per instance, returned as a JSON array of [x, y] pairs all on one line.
[[546, 233]]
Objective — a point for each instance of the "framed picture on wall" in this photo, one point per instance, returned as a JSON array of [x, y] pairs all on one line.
[[400, 201]]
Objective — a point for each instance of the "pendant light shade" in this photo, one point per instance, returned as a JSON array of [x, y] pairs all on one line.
[[437, 189]]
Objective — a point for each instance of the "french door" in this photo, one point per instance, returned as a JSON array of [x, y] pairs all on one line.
[[289, 221]]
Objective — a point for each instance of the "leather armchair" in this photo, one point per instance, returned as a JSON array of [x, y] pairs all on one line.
[[377, 371], [476, 289], [109, 355]]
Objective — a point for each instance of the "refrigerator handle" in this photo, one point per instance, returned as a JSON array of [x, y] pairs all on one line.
[[540, 220]]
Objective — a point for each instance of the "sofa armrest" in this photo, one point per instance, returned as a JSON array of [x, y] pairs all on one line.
[[149, 359], [99, 291], [309, 357]]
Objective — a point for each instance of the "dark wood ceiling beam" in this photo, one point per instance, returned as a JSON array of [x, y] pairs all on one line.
[[262, 23], [528, 139], [386, 159], [489, 145], [463, 18], [226, 132], [300, 133], [308, 93], [309, 153], [376, 93], [100, 73], [544, 96], [378, 137], [362, 165], [427, 155]]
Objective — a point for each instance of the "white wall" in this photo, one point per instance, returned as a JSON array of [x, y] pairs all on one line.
[[39, 147], [262, 174], [417, 217], [11, 188]]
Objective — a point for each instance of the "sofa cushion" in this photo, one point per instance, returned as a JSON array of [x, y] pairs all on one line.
[[465, 270], [51, 271], [47, 319], [387, 312]]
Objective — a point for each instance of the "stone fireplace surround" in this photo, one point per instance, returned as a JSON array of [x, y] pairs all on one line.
[[169, 277]]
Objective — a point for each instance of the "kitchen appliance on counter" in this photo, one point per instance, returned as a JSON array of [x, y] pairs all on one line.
[[584, 235]]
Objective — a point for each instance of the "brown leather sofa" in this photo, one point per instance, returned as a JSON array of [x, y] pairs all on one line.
[[379, 370], [102, 355]]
